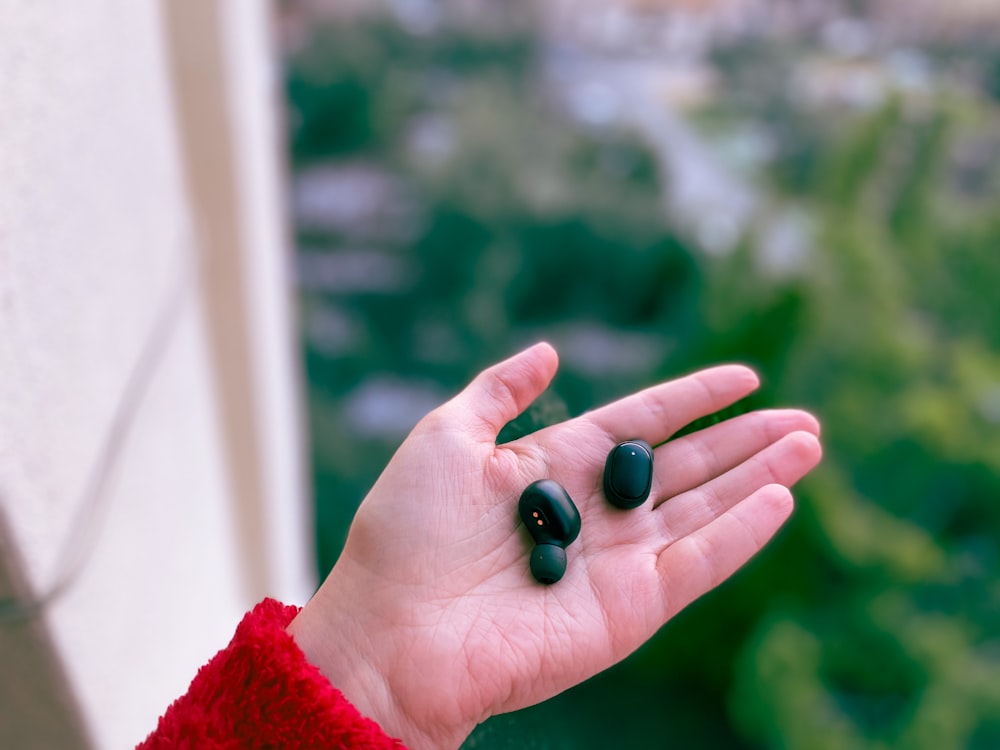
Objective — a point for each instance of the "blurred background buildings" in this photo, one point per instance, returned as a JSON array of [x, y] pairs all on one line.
[[811, 187]]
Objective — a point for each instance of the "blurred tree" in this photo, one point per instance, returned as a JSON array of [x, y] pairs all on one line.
[[896, 646], [874, 620]]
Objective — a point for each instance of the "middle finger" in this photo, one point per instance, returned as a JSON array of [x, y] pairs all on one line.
[[694, 459]]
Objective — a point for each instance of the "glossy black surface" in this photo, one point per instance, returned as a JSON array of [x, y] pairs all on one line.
[[628, 473], [553, 521]]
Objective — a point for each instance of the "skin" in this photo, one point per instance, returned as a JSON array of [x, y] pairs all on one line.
[[430, 621]]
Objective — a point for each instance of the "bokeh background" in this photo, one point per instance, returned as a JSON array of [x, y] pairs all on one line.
[[808, 187]]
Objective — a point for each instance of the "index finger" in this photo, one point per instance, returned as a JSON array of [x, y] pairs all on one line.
[[656, 413]]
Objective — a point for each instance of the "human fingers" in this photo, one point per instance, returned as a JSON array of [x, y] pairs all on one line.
[[784, 462], [656, 413], [705, 558], [694, 459], [501, 392]]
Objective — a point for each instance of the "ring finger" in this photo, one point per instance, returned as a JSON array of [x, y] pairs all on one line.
[[784, 462]]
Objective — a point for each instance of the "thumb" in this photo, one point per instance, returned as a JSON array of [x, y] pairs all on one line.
[[501, 392]]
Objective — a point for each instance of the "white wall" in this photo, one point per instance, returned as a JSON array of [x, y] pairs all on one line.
[[100, 226]]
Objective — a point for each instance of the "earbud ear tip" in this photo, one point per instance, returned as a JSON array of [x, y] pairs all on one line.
[[548, 563]]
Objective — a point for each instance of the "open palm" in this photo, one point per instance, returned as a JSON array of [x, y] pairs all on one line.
[[431, 622]]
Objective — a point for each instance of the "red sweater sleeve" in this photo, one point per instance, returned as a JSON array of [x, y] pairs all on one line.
[[260, 692]]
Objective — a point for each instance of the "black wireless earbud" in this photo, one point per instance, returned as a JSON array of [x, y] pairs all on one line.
[[628, 474], [553, 522]]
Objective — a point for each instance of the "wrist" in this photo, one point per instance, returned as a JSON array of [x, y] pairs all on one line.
[[362, 661]]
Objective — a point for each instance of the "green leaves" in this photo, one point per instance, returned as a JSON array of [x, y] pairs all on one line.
[[872, 622]]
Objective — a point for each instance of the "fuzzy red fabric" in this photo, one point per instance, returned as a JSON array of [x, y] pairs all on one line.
[[260, 692]]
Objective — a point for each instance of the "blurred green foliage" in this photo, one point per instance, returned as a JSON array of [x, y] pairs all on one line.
[[873, 621]]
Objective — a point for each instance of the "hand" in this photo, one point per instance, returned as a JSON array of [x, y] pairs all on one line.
[[430, 621]]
